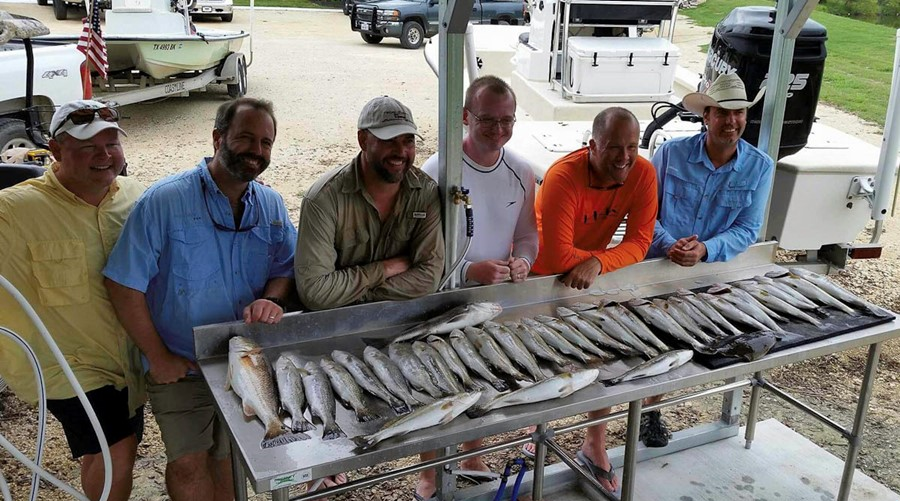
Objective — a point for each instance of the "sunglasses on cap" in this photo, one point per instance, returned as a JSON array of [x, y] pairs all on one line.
[[86, 116]]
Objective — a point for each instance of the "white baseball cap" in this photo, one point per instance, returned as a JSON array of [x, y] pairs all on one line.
[[63, 121]]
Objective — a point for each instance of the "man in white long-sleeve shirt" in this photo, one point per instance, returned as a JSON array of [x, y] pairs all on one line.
[[501, 185]]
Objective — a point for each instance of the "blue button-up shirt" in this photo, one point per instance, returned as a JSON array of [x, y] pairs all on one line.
[[191, 272], [724, 207]]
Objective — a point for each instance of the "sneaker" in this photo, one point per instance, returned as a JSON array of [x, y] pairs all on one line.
[[654, 432]]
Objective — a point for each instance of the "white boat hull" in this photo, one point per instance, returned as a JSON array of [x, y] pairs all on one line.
[[161, 57]]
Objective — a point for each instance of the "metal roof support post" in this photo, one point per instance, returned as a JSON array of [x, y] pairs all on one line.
[[454, 18], [790, 16], [890, 143]]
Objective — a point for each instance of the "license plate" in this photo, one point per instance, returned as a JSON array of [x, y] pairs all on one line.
[[364, 25], [206, 9]]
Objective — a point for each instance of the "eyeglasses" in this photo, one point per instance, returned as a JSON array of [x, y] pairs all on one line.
[[86, 116], [505, 122], [221, 226]]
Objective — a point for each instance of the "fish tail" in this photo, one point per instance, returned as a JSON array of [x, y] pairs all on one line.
[[365, 415], [301, 425], [363, 442], [283, 439], [476, 412], [401, 408], [500, 385], [332, 431]]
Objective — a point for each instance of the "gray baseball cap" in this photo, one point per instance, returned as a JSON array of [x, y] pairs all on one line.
[[387, 118], [61, 120]]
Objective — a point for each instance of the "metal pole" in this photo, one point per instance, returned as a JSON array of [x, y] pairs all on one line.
[[631, 444], [445, 482], [540, 455], [890, 143], [753, 413], [282, 494], [731, 406], [776, 96], [577, 468], [859, 421], [807, 409], [239, 476]]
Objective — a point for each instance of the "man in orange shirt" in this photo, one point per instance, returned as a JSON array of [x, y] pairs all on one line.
[[585, 196]]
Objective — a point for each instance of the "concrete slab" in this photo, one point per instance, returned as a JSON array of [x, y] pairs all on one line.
[[782, 465]]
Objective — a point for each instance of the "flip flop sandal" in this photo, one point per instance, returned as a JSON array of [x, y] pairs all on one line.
[[418, 497], [477, 476], [595, 470], [528, 452]]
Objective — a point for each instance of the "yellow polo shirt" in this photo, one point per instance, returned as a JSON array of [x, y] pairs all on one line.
[[53, 247]]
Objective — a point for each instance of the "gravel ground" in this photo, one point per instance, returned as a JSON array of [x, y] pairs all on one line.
[[319, 74]]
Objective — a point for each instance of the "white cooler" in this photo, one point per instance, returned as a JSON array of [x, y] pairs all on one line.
[[603, 69]]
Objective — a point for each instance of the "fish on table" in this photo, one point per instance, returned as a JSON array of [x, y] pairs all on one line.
[[470, 357], [441, 375], [250, 376], [696, 315], [574, 337], [605, 319], [467, 315], [633, 323], [837, 291], [412, 368], [708, 310], [367, 380], [535, 344], [492, 353], [437, 413], [593, 333], [810, 290], [391, 376], [454, 363], [290, 388], [785, 293], [775, 303], [750, 346], [690, 324], [661, 364], [558, 386], [658, 318], [346, 389], [320, 396], [730, 311], [555, 339], [515, 349]]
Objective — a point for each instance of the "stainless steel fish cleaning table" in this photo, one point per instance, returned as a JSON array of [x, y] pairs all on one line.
[[318, 333]]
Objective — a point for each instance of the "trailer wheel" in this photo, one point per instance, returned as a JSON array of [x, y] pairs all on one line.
[[371, 38], [42, 2], [227, 17], [412, 36], [13, 135], [60, 10], [239, 88]]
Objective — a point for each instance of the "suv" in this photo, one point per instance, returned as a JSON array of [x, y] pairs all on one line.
[[221, 8], [412, 21]]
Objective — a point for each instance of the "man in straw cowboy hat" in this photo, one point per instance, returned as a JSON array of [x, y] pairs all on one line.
[[712, 190]]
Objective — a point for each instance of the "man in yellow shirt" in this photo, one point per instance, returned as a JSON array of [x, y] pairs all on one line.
[[56, 232]]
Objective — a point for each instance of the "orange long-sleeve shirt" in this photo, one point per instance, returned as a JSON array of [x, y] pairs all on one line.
[[576, 222]]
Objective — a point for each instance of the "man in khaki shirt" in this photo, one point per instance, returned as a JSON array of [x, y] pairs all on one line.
[[371, 230], [56, 233]]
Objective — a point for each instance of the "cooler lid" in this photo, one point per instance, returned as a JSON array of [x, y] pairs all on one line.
[[622, 47]]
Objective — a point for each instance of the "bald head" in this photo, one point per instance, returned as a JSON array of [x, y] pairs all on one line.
[[612, 118]]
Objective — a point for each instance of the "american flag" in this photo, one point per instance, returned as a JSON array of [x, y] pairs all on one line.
[[91, 41]]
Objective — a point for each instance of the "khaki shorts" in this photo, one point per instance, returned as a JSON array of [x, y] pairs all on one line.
[[186, 414]]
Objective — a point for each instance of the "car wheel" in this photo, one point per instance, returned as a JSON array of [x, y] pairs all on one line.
[[413, 35], [14, 135], [42, 2], [227, 17], [346, 7], [371, 38], [60, 10]]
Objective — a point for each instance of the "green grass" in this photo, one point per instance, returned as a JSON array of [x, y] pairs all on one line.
[[859, 64], [306, 4]]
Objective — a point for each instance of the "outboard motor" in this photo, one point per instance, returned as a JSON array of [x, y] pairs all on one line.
[[742, 43]]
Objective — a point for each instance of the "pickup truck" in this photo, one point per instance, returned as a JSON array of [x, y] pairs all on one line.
[[412, 21], [60, 75]]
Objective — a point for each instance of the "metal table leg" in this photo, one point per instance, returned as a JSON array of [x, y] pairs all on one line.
[[445, 482], [753, 413], [540, 454], [865, 394], [282, 494], [731, 405], [239, 476], [631, 444]]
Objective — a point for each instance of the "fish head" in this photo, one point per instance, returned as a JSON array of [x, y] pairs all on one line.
[[637, 302], [369, 351], [338, 355], [562, 311], [284, 364], [719, 288], [684, 292], [777, 273], [582, 306], [420, 347], [433, 339], [242, 345], [489, 324], [456, 334]]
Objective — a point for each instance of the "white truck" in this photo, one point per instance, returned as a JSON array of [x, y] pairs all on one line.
[[60, 75]]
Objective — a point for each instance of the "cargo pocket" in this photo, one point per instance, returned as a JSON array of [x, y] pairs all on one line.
[[194, 256], [685, 198], [60, 268], [262, 244]]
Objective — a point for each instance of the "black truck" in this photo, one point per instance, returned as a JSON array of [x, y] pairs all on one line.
[[412, 21]]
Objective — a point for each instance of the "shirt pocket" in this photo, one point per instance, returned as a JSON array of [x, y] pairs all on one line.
[[353, 245], [194, 253], [262, 244], [60, 268], [683, 199], [734, 199]]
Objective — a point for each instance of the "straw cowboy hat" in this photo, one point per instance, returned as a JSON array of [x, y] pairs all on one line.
[[726, 92]]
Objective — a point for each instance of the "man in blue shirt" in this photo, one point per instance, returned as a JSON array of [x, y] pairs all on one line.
[[713, 189], [712, 186], [203, 246]]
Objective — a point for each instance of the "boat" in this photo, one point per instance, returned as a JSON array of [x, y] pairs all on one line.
[[149, 36]]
